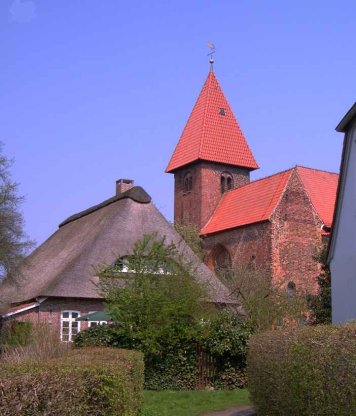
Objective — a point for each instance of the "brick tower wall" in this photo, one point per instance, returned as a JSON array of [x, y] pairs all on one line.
[[197, 206]]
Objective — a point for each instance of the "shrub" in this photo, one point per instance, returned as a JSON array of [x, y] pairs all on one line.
[[226, 340], [98, 381], [310, 371], [14, 333], [32, 343]]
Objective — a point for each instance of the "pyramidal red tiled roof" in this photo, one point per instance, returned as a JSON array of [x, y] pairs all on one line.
[[257, 200], [212, 132]]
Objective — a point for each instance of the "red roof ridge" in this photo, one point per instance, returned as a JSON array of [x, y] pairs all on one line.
[[281, 193], [316, 169], [205, 111], [278, 173], [261, 179]]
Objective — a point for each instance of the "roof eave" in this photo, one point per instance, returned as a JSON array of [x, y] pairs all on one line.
[[199, 159], [201, 234], [349, 116]]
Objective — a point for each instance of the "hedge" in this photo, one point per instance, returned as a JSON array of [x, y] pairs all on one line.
[[309, 371], [175, 367], [96, 381]]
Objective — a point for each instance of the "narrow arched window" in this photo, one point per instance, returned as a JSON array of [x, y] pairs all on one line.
[[187, 182], [221, 260], [291, 289], [222, 184], [226, 182]]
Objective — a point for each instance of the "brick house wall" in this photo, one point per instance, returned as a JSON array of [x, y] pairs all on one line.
[[49, 311], [197, 206], [296, 238]]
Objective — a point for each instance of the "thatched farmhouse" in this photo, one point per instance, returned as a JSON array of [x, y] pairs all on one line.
[[277, 224], [58, 279]]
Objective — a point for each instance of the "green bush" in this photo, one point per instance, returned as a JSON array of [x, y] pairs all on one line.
[[224, 338], [310, 371], [15, 333], [98, 381]]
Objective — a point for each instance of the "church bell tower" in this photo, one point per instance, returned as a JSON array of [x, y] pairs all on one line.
[[211, 157]]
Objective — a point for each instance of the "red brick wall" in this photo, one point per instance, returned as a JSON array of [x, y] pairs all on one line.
[[283, 247], [50, 310], [296, 238], [197, 205], [246, 245]]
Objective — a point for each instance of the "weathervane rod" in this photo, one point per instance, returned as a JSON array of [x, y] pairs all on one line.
[[212, 48]]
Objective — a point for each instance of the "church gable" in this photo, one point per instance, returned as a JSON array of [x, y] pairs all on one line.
[[296, 237]]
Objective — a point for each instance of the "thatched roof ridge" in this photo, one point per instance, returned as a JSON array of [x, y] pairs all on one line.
[[64, 265], [136, 193]]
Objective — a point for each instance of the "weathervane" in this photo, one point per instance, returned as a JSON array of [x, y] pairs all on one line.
[[211, 46]]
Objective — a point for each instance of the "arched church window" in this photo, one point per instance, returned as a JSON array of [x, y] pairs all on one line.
[[221, 260], [291, 289], [226, 182], [222, 184], [187, 182]]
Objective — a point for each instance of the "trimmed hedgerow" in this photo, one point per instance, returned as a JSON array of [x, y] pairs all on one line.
[[175, 366], [310, 371], [97, 381]]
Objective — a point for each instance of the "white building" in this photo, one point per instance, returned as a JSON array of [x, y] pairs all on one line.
[[342, 250]]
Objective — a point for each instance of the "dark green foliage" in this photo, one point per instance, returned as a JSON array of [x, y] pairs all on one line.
[[15, 334], [174, 370], [320, 304], [310, 371], [160, 310], [99, 336], [100, 382], [160, 304], [226, 340]]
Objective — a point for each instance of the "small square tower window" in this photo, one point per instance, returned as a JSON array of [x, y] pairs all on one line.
[[222, 111]]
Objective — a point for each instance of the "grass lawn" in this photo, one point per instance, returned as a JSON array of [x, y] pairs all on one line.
[[191, 403]]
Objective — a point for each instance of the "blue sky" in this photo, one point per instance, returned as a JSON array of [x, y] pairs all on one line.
[[93, 91]]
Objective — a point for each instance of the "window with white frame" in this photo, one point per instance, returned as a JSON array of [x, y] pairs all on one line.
[[95, 323], [69, 326]]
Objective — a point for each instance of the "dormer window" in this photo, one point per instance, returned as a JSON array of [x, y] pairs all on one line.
[[226, 182], [222, 111], [188, 182]]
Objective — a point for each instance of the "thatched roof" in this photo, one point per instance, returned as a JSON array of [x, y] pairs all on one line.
[[63, 266]]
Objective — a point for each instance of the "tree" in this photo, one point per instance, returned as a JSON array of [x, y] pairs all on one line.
[[265, 303], [320, 304], [190, 234], [153, 298], [14, 243]]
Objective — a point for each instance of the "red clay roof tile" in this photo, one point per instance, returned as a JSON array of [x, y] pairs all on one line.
[[321, 187], [212, 133], [256, 201]]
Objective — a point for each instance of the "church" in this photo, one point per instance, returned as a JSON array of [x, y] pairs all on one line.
[[276, 224]]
